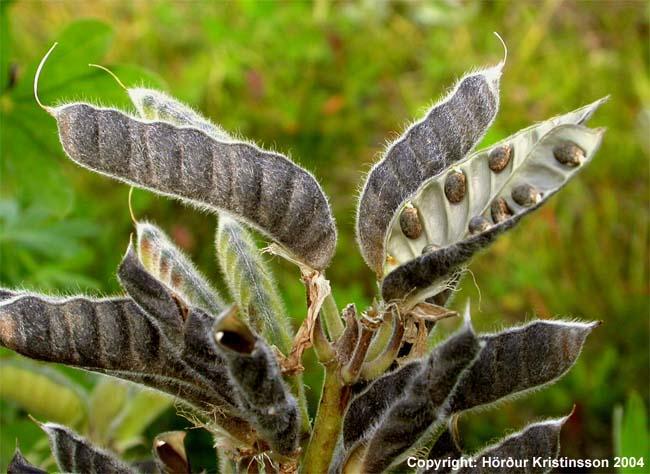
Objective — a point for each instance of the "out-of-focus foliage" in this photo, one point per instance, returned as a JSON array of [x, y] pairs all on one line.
[[329, 83], [631, 438]]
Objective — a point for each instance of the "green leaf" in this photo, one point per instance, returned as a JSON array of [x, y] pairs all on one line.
[[42, 392], [631, 439], [83, 42], [139, 413], [4, 45], [106, 402], [28, 134]]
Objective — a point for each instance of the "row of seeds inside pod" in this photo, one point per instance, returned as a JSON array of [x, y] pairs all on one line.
[[567, 153]]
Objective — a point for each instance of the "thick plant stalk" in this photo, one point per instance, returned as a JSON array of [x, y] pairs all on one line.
[[329, 420]]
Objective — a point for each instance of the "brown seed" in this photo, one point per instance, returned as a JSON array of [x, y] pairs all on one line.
[[499, 158], [455, 186], [429, 248], [569, 154], [525, 195], [478, 224], [500, 210], [410, 223]]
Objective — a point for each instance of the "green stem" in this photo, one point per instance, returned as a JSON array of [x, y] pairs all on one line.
[[333, 322], [327, 426]]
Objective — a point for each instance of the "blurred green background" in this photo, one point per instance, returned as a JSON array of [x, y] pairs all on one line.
[[329, 83]]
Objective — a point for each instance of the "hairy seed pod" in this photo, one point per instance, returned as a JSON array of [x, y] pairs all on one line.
[[114, 336], [422, 403], [76, 454], [525, 195], [569, 154], [251, 283], [168, 264], [478, 224], [539, 441], [20, 465], [455, 186], [371, 405], [444, 449], [156, 105], [429, 248], [519, 360], [499, 158], [417, 276], [410, 222], [433, 266], [443, 136], [265, 189], [263, 397], [499, 210], [151, 295]]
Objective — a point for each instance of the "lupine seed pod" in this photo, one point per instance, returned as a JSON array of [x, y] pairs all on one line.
[[448, 131], [371, 405], [444, 449], [169, 453], [251, 283], [263, 188], [423, 402], [460, 230], [156, 105], [263, 397], [76, 454], [519, 360], [20, 465], [188, 329], [538, 444], [113, 336], [153, 297], [157, 253]]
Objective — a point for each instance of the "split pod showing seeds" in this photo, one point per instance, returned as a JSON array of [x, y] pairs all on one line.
[[492, 203], [263, 188], [448, 131]]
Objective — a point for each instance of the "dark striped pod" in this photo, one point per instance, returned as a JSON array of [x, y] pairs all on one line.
[[76, 454], [20, 465], [168, 264], [419, 273], [371, 405], [540, 441], [423, 402], [446, 134], [519, 360], [264, 399], [153, 297], [115, 337], [263, 188], [444, 449]]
